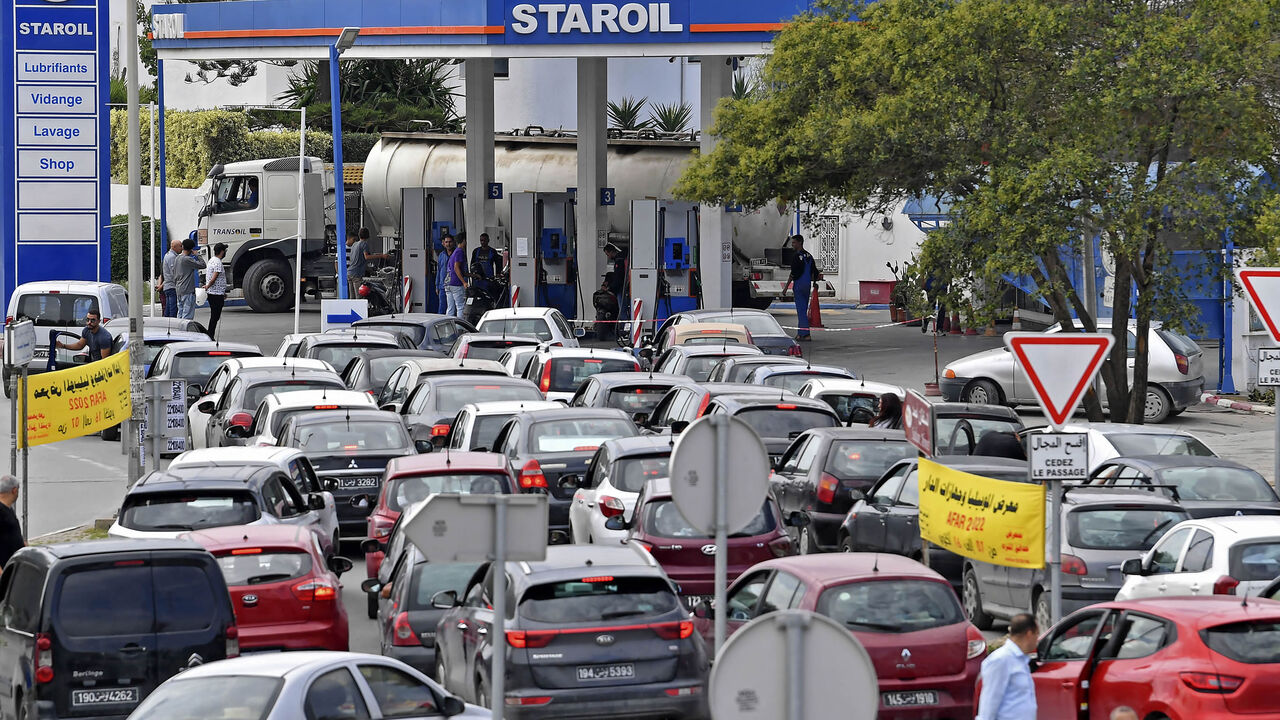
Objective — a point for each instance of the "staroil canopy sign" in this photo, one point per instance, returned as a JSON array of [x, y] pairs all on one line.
[[54, 144], [597, 22]]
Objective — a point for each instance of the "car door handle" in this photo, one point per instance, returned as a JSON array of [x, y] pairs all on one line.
[[1162, 587], [482, 630], [132, 648], [1068, 685], [589, 504], [462, 625], [1195, 587]]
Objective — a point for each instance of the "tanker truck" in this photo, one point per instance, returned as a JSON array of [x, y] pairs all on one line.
[[637, 169]]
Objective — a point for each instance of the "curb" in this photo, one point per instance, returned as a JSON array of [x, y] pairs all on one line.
[[1230, 404]]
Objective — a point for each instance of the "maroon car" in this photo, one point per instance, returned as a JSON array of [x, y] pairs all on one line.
[[688, 555], [926, 654]]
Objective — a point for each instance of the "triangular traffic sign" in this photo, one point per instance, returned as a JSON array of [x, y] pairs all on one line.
[[1059, 366], [1262, 287]]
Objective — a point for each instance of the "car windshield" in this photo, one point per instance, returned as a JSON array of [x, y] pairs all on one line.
[[568, 373], [699, 367], [631, 473], [1134, 444], [846, 405], [663, 519], [1180, 344], [517, 326], [164, 512], [636, 398], [381, 368], [597, 599], [793, 381], [56, 310], [710, 339], [784, 422], [151, 349], [951, 438], [1255, 560], [893, 606], [254, 396], [493, 350], [1218, 483], [485, 430], [576, 435], [233, 697], [351, 435], [197, 367], [253, 566], [415, 333], [1119, 527], [407, 491], [450, 398], [1254, 642], [756, 324], [338, 355], [431, 578], [863, 459]]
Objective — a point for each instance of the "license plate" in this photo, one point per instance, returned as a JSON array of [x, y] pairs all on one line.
[[40, 353], [913, 697], [358, 483], [105, 696], [606, 672], [470, 300], [692, 601]]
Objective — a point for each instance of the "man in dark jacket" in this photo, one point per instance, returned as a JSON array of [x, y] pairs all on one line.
[[486, 264], [10, 531], [616, 279], [804, 271]]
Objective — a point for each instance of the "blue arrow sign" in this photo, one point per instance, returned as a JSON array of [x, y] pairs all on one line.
[[347, 319]]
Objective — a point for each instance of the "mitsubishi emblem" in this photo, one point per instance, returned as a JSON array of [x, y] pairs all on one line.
[[353, 464]]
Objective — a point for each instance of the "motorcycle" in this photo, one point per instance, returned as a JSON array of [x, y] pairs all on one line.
[[483, 299], [382, 290]]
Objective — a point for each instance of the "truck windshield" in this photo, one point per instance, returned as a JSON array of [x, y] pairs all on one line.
[[233, 193]]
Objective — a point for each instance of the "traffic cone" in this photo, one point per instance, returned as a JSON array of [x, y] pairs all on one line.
[[955, 323], [1017, 321], [815, 313], [991, 330]]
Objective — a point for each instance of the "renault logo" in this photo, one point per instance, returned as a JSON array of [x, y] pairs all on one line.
[[906, 655], [906, 663], [709, 549], [604, 640]]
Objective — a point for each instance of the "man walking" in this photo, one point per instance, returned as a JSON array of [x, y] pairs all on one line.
[[10, 531], [803, 272], [216, 284], [442, 273], [455, 285], [169, 278], [486, 263], [93, 336], [188, 263], [1008, 693]]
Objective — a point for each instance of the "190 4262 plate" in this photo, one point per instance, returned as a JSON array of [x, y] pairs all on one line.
[[105, 696]]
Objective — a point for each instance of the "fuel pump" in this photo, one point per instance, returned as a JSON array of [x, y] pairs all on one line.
[[543, 260], [664, 257], [427, 215]]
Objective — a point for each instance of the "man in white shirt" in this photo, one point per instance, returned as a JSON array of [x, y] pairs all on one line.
[[1008, 692]]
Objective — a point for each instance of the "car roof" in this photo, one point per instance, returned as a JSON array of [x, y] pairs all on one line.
[[348, 337], [725, 348], [202, 476], [302, 398], [833, 568], [110, 545], [154, 334], [46, 285], [462, 378], [265, 374], [564, 562], [509, 407], [399, 352], [457, 365], [1202, 610], [329, 417], [765, 360], [1085, 495], [703, 312], [959, 408], [834, 384], [857, 433], [513, 337], [586, 352], [207, 345], [444, 461], [731, 402], [257, 363], [709, 327], [303, 662], [718, 389], [1165, 462], [975, 464], [609, 379], [401, 319], [216, 539], [569, 413], [769, 369], [235, 455], [638, 445], [1247, 526], [518, 312]]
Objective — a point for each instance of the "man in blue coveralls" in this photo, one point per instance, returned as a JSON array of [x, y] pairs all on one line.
[[803, 272], [442, 272]]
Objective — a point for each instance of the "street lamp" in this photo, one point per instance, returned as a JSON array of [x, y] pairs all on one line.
[[345, 40]]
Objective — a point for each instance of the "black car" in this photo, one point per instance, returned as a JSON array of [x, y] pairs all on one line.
[[595, 631], [437, 399], [425, 331], [633, 392], [888, 518], [1203, 486], [408, 632], [337, 347], [194, 362], [825, 470], [90, 629], [368, 371], [349, 451], [685, 403], [778, 417], [236, 405], [544, 446], [959, 427]]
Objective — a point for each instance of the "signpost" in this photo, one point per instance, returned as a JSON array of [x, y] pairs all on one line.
[[166, 411], [342, 313], [1262, 287], [1060, 367], [19, 351], [828, 673], [702, 469], [917, 422], [499, 528]]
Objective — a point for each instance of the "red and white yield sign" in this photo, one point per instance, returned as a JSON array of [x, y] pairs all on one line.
[[1262, 287], [1060, 367]]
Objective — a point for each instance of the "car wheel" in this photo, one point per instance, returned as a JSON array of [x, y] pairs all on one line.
[[981, 392], [1158, 406], [808, 543], [846, 544], [20, 706], [111, 434], [371, 600], [7, 391], [1043, 611], [972, 598]]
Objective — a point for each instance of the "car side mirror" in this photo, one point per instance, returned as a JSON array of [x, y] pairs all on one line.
[[329, 483], [315, 501], [646, 353], [797, 519], [1133, 566], [615, 523], [206, 407], [236, 432], [570, 482], [339, 564], [857, 495], [640, 419], [389, 407], [704, 610], [579, 332], [371, 585], [193, 394], [445, 599], [678, 426], [360, 502], [424, 446], [371, 546], [451, 705]]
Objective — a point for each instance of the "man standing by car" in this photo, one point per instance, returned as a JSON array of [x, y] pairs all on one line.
[[486, 263], [1008, 692], [10, 531], [188, 263], [93, 336], [456, 284], [803, 272], [442, 273], [169, 278]]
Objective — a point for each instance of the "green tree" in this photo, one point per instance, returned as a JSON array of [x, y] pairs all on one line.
[[1142, 122], [626, 114], [378, 95], [672, 118]]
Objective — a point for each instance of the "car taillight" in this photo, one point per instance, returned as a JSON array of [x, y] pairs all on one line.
[[531, 475], [1225, 585], [702, 406], [233, 641], [530, 638], [610, 506], [363, 291], [44, 658], [795, 351], [544, 384], [242, 419], [439, 430], [977, 643], [529, 700], [679, 630], [780, 547], [462, 354], [1184, 365], [827, 485], [402, 634], [680, 692], [1073, 565], [1211, 682], [757, 275], [380, 526], [315, 589]]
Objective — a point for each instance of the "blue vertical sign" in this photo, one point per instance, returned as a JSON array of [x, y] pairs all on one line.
[[55, 143]]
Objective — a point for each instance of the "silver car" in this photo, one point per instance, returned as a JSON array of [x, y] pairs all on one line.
[[1175, 375]]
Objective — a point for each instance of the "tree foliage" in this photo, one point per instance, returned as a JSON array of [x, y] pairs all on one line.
[[627, 113], [1144, 123], [378, 95]]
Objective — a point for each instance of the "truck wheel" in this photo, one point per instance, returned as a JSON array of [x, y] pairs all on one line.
[[268, 286]]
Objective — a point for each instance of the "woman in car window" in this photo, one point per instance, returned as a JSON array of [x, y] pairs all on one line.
[[890, 415]]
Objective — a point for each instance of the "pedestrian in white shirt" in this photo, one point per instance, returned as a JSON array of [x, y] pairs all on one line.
[[1008, 693]]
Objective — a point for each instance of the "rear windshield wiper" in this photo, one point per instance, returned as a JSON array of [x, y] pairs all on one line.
[[172, 526], [875, 625], [620, 613], [269, 577]]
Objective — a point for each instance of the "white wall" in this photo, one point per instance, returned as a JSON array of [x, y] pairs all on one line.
[[865, 247], [181, 211]]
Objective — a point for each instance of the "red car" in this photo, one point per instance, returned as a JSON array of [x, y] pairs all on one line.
[[1202, 657], [926, 654], [687, 555], [411, 479], [285, 596]]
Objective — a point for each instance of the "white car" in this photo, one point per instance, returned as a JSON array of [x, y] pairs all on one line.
[[1113, 440], [309, 684], [517, 359], [289, 344], [62, 305], [197, 421], [559, 371], [613, 481], [1232, 555], [290, 460], [546, 324], [277, 408], [477, 424], [853, 400]]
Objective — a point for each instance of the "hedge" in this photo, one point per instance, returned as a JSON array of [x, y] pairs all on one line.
[[198, 140], [120, 247]]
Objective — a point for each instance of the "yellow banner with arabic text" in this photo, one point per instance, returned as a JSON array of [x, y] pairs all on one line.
[[78, 401], [990, 520]]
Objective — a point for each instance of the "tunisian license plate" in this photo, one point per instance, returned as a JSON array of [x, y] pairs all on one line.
[[606, 672], [358, 483], [105, 696], [911, 697]]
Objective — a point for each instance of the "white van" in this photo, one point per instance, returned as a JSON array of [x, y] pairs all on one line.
[[62, 305]]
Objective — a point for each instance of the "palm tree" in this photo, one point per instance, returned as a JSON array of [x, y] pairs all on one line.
[[625, 114], [673, 118]]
